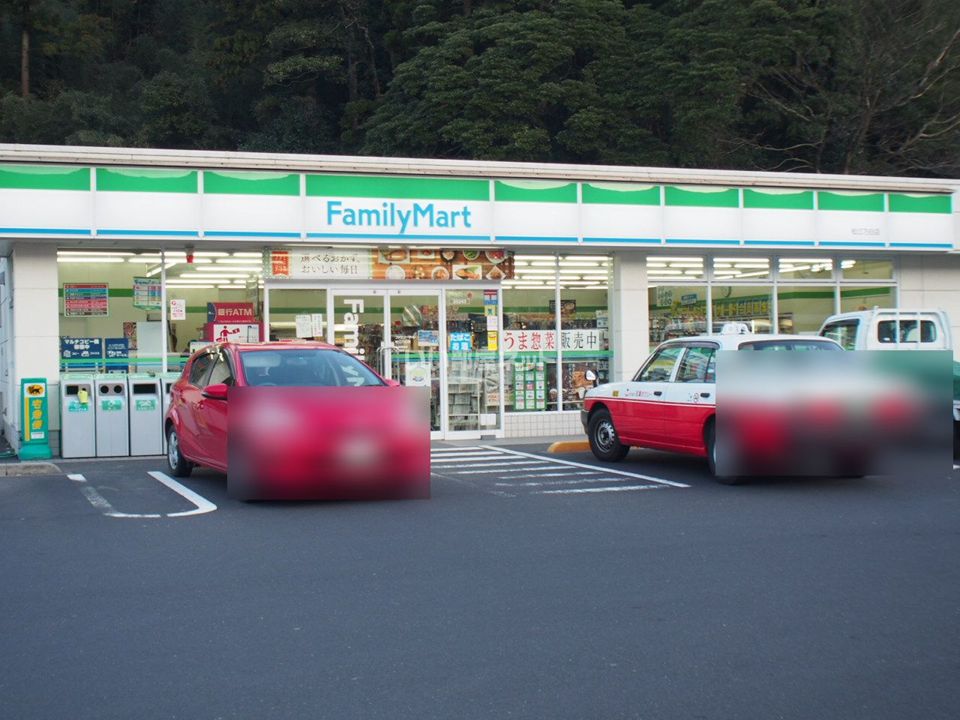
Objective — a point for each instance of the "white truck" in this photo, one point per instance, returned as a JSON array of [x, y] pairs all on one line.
[[886, 329]]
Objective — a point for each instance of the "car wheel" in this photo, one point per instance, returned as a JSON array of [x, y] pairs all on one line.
[[603, 438], [179, 465], [710, 440]]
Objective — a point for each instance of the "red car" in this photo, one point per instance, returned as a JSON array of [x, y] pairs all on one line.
[[309, 420]]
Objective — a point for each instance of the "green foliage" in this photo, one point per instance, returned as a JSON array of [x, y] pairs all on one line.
[[865, 86]]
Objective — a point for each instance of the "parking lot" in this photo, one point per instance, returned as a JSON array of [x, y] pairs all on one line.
[[530, 585]]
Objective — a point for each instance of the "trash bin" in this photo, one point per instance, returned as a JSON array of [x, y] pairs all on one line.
[[113, 420], [78, 428], [167, 380], [146, 412]]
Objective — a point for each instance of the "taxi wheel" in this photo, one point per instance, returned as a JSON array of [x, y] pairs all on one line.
[[179, 465], [603, 438]]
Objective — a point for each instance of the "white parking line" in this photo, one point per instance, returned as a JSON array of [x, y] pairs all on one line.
[[104, 506], [500, 466], [606, 470], [460, 458], [617, 488], [203, 505]]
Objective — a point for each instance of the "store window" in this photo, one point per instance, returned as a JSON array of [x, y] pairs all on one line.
[[298, 313], [748, 304], [803, 308], [736, 269], [530, 347], [110, 305], [805, 269], [867, 298], [677, 311], [584, 325], [860, 269]]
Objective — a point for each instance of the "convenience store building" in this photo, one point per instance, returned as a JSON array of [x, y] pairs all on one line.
[[507, 288]]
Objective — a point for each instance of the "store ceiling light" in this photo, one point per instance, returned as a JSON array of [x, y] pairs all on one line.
[[90, 260], [93, 253], [248, 255], [211, 253]]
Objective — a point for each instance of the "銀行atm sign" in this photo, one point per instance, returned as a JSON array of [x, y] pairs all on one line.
[[235, 312]]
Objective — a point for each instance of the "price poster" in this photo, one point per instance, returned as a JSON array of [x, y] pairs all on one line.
[[86, 300], [146, 293]]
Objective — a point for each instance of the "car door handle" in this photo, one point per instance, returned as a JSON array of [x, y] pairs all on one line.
[[658, 393], [704, 395]]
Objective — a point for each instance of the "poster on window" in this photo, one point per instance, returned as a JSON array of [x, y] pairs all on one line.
[[146, 293], [86, 300]]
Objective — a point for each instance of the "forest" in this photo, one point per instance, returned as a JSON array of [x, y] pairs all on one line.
[[831, 86]]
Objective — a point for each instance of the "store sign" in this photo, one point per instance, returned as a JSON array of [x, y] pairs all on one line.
[[79, 353], [461, 342], [86, 300], [35, 443], [230, 312], [394, 264], [147, 293], [322, 264], [546, 340], [116, 352]]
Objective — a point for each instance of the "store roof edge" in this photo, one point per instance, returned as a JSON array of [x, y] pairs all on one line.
[[219, 160]]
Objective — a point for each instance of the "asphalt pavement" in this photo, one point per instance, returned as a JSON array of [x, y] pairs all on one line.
[[529, 586]]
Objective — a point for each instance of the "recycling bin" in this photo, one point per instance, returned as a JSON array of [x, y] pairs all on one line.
[[113, 419], [78, 428], [146, 412]]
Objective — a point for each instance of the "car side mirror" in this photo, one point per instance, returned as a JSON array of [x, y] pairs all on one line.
[[217, 391]]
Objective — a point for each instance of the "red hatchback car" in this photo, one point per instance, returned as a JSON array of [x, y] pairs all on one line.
[[309, 415]]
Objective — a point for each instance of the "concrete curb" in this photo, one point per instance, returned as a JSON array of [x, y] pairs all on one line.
[[28, 468], [568, 446]]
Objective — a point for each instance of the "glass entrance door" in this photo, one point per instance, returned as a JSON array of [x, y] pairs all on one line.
[[358, 326], [414, 348], [473, 360], [397, 333]]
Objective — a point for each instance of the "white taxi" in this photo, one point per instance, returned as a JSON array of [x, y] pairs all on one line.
[[670, 403]]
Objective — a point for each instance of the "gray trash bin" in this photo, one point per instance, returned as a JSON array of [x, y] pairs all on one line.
[[146, 411], [113, 419], [78, 428]]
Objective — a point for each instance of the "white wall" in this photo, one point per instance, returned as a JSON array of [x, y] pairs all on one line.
[[928, 281], [35, 333], [629, 316]]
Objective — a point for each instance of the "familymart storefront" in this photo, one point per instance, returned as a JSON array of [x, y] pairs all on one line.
[[508, 289]]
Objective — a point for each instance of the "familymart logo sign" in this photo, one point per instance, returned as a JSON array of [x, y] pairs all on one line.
[[408, 218]]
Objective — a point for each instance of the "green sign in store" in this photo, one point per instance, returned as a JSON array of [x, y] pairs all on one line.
[[146, 405], [75, 406]]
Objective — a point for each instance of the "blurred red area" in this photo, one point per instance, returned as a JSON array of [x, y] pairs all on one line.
[[833, 414], [307, 443]]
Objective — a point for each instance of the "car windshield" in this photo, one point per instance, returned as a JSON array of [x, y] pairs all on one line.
[[782, 345], [307, 367]]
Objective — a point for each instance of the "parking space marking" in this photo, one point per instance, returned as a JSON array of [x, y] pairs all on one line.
[[103, 505], [605, 470], [504, 472], [614, 488], [203, 505]]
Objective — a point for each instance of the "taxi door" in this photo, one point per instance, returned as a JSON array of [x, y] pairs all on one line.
[[642, 406], [691, 398]]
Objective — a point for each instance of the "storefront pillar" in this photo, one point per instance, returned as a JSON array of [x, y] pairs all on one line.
[[35, 335], [630, 318]]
